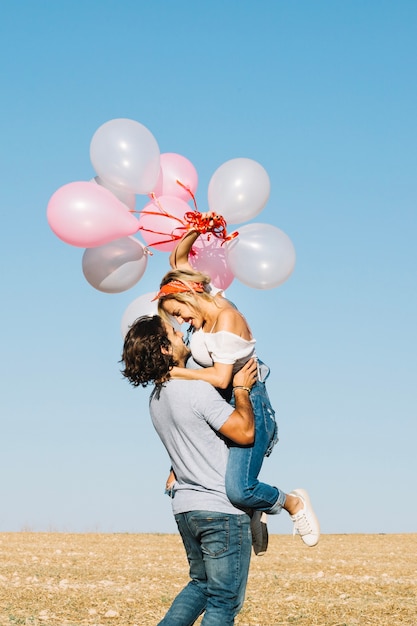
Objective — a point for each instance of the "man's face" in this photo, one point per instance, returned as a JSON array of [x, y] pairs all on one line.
[[179, 350]]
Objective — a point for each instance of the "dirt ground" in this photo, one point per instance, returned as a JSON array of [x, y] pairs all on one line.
[[54, 579]]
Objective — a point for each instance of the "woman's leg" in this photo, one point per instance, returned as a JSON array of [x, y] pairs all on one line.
[[245, 491], [243, 488]]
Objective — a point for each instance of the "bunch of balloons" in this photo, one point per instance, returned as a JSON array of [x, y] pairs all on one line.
[[100, 214]]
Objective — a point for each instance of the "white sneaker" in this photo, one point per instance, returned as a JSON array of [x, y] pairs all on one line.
[[305, 521], [259, 532]]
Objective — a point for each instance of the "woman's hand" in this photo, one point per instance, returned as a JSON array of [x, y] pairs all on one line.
[[175, 372]]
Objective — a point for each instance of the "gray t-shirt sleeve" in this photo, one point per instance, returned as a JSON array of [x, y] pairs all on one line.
[[208, 405]]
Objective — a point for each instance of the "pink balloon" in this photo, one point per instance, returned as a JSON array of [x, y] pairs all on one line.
[[86, 215], [176, 167], [161, 222], [210, 257]]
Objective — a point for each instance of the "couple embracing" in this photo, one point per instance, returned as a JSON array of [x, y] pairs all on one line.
[[217, 425]]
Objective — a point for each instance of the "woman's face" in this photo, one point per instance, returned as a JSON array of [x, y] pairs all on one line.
[[183, 313]]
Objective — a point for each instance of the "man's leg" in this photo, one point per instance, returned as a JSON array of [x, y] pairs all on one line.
[[226, 544], [192, 600]]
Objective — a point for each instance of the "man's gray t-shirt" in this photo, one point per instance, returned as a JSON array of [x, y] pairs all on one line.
[[186, 415]]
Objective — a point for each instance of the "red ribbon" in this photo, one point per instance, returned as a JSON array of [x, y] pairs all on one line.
[[204, 223]]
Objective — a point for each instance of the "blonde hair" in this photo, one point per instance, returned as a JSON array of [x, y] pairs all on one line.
[[189, 297]]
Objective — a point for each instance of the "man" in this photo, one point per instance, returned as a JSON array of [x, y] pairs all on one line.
[[192, 421]]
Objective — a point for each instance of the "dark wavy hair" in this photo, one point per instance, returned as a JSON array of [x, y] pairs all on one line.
[[144, 363]]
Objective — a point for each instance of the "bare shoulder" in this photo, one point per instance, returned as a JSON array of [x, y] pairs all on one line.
[[232, 321]]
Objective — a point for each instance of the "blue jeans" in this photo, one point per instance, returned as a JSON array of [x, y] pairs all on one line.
[[218, 547], [243, 488]]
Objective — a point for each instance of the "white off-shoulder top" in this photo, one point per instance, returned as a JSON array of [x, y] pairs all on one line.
[[221, 347]]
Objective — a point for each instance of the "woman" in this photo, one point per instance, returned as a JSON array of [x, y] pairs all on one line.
[[221, 342]]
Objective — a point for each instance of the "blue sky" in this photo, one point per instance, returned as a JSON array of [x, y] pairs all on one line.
[[322, 94]]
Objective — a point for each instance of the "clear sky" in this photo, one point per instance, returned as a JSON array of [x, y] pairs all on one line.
[[323, 94]]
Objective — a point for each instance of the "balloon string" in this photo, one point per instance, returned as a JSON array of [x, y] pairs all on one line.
[[189, 191], [171, 237], [155, 200], [164, 214], [158, 243], [210, 224]]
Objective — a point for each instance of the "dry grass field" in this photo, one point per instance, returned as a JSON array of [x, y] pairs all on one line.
[[53, 579]]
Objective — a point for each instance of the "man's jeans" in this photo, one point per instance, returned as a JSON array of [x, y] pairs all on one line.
[[218, 547], [242, 485]]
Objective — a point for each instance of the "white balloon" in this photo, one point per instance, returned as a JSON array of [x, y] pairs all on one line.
[[116, 266], [129, 199], [262, 256], [126, 156], [239, 190], [141, 306]]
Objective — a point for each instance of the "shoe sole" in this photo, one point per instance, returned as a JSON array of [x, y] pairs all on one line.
[[259, 531]]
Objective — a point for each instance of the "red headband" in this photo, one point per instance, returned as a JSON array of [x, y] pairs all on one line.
[[178, 286]]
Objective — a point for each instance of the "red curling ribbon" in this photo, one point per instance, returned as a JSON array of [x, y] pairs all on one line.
[[209, 223], [212, 224]]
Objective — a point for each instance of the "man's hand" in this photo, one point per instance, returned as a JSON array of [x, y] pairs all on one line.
[[240, 426], [247, 376], [170, 482]]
